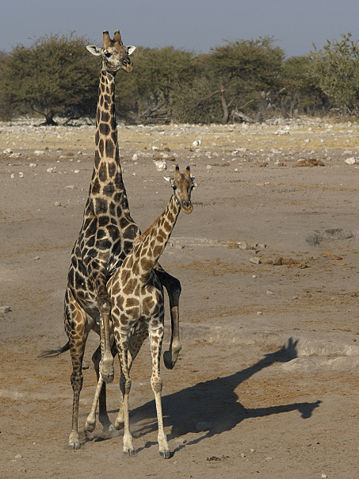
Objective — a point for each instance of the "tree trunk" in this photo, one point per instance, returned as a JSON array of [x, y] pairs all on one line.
[[49, 115], [224, 106]]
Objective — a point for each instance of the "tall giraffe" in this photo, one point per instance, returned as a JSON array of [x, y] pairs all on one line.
[[105, 238], [138, 307]]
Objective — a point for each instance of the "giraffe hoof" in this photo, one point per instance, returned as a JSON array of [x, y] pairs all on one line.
[[74, 442], [90, 426], [118, 425], [129, 452], [167, 359], [166, 454]]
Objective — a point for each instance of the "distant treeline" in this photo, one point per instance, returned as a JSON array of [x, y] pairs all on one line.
[[245, 80]]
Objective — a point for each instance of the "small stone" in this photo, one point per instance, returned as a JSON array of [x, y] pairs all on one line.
[[57, 203], [259, 313], [134, 157], [32, 165], [36, 258], [39, 152], [254, 276], [255, 260], [252, 450], [8, 151], [76, 171], [324, 476], [242, 245], [269, 292], [350, 161], [69, 187], [21, 174], [269, 458], [51, 170], [196, 143], [5, 309], [18, 456], [12, 176], [160, 165]]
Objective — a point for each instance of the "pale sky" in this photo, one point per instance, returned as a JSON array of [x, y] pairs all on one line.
[[194, 25]]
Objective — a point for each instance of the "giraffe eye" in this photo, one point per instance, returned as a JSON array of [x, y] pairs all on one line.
[[125, 61], [108, 54]]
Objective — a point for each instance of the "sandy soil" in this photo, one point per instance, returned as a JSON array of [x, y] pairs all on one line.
[[267, 382]]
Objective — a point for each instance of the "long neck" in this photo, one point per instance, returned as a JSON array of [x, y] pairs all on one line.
[[152, 242], [107, 182]]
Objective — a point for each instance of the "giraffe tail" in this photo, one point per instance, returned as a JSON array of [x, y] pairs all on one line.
[[52, 353]]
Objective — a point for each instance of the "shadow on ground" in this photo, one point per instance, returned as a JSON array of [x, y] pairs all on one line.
[[212, 406]]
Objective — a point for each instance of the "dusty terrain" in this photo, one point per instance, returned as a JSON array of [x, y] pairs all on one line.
[[267, 384]]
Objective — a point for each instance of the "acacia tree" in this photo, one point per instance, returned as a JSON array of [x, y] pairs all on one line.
[[151, 87], [337, 68], [54, 76], [235, 80], [300, 91]]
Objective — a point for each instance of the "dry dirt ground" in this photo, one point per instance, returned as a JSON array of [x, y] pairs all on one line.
[[267, 382]]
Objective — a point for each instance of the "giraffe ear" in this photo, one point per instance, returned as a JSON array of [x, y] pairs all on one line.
[[94, 50], [130, 49]]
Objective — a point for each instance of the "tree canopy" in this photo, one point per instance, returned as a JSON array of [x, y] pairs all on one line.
[[243, 80], [54, 76]]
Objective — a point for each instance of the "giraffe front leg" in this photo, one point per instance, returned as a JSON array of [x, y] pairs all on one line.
[[125, 386], [156, 336], [103, 416], [91, 418], [173, 288], [135, 344], [107, 368]]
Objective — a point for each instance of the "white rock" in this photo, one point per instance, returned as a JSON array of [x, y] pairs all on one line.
[[69, 187], [154, 148], [32, 165], [160, 165], [21, 174], [350, 161], [76, 171], [255, 260], [12, 176], [51, 170], [134, 157], [196, 143], [39, 152]]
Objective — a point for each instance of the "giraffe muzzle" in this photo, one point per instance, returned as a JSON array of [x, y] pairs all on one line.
[[187, 207]]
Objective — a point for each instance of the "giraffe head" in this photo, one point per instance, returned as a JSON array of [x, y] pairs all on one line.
[[115, 56], [183, 184]]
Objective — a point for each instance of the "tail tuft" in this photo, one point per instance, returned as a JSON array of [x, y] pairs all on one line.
[[52, 353]]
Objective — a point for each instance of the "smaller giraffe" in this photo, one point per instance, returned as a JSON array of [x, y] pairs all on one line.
[[138, 308]]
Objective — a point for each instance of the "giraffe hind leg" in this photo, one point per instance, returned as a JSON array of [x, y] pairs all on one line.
[[75, 325]]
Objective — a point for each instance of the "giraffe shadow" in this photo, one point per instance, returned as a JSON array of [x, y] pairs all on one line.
[[211, 407]]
